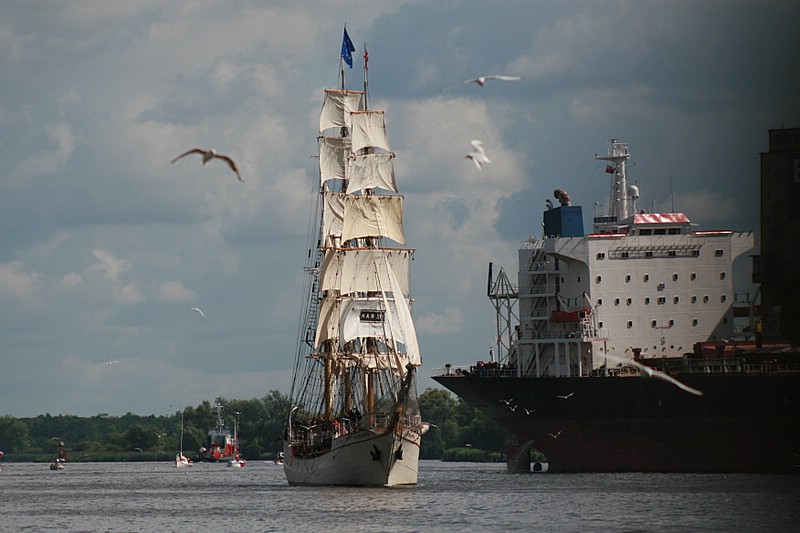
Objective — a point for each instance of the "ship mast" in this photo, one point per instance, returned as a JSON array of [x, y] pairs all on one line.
[[618, 207]]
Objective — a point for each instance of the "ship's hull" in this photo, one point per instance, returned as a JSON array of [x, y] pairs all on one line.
[[742, 423], [361, 458]]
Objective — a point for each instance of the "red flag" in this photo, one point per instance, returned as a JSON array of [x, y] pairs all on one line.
[[366, 58], [609, 169]]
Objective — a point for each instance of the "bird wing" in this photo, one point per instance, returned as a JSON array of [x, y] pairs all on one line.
[[193, 151], [230, 164], [502, 78], [656, 373]]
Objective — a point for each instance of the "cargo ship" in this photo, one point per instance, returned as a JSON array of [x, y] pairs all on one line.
[[620, 349]]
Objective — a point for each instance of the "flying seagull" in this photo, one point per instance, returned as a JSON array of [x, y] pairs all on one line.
[[477, 155], [555, 436], [208, 155], [652, 372], [199, 311], [481, 80], [111, 362], [564, 397]]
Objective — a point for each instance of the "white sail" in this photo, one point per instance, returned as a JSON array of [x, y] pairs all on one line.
[[364, 270], [337, 108], [332, 217], [370, 171], [369, 130], [404, 327], [373, 216], [333, 153], [328, 324]]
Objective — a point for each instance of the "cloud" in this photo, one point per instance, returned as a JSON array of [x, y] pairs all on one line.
[[175, 292], [16, 282], [450, 321], [109, 266], [49, 161]]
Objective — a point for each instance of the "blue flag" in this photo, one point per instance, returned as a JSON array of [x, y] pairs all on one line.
[[347, 49]]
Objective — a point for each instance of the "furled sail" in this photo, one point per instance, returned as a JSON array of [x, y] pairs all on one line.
[[370, 171], [337, 108], [369, 130], [364, 270], [333, 154], [373, 216]]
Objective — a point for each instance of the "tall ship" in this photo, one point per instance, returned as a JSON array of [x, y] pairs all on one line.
[[354, 417], [619, 350]]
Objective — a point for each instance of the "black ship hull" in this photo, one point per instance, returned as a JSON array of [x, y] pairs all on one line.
[[741, 423]]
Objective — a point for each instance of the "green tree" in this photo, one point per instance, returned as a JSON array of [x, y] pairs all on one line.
[[14, 435]]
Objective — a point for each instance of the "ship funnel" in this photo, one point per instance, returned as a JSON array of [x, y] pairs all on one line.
[[562, 197]]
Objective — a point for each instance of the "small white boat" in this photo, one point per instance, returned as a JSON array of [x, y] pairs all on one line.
[[181, 460], [237, 461]]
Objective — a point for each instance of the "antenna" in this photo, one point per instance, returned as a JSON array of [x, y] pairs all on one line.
[[671, 196]]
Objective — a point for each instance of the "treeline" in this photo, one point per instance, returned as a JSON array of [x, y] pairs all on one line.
[[458, 432]]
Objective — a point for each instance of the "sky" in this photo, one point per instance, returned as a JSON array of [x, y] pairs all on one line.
[[105, 247]]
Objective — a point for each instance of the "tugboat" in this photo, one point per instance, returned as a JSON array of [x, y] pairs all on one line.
[[222, 444]]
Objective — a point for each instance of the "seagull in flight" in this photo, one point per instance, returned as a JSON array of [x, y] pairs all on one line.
[[652, 372], [555, 436], [564, 397], [109, 363], [208, 155], [477, 155], [481, 80], [197, 309]]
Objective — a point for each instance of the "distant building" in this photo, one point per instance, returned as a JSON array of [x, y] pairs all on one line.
[[777, 269]]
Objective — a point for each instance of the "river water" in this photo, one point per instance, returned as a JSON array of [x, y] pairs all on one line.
[[450, 497]]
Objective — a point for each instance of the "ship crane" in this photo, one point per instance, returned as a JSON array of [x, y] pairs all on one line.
[[503, 296]]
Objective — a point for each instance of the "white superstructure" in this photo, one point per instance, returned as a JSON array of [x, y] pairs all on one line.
[[642, 285]]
